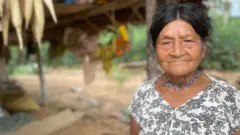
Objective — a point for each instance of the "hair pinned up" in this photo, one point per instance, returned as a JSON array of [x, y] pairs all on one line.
[[192, 13]]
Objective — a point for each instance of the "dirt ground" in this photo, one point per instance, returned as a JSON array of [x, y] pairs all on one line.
[[99, 100]]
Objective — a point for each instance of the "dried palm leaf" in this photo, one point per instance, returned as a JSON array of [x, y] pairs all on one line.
[[1, 7], [38, 21], [17, 20], [5, 22], [50, 6], [28, 11]]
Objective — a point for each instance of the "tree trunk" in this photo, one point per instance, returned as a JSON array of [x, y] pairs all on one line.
[[226, 11], [153, 67], [41, 77], [3, 64], [3, 70]]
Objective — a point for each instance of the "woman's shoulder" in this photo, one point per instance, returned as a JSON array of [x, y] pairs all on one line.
[[221, 83], [224, 86], [146, 85], [145, 89], [142, 94]]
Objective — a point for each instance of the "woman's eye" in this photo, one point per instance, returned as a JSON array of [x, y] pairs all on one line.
[[165, 43], [188, 41]]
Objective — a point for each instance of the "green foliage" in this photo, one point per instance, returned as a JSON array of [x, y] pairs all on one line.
[[28, 67], [25, 67], [138, 39], [225, 46], [120, 74], [68, 59], [13, 61], [105, 37]]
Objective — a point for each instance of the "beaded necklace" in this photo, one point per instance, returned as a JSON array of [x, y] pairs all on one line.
[[180, 86]]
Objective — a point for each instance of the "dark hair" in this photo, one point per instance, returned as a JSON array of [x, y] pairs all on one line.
[[189, 12]]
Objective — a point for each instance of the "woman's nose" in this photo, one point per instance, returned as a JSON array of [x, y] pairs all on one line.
[[177, 49]]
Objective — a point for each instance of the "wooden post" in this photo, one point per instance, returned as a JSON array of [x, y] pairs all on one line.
[[153, 68], [41, 77]]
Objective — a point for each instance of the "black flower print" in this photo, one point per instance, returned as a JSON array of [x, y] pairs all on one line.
[[176, 124], [155, 103], [195, 127], [216, 110]]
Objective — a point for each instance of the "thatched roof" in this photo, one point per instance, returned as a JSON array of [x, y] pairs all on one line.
[[72, 14], [90, 18]]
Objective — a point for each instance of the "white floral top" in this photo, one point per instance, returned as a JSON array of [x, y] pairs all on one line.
[[214, 111]]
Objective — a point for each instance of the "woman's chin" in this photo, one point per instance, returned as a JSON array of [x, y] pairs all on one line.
[[179, 72]]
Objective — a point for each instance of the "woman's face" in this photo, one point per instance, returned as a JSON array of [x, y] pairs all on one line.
[[179, 48]]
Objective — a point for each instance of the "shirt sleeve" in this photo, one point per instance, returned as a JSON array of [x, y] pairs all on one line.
[[135, 107], [235, 112]]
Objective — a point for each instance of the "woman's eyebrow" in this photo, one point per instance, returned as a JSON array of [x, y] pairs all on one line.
[[186, 35], [167, 37]]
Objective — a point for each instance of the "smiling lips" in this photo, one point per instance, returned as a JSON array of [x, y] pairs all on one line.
[[179, 61]]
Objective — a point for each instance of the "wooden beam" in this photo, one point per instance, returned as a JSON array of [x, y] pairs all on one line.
[[112, 18], [93, 26], [111, 6], [138, 5], [135, 10], [63, 10]]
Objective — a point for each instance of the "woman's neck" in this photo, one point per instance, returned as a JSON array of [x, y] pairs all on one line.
[[180, 79]]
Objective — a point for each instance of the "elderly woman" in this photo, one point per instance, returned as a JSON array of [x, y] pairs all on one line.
[[183, 100]]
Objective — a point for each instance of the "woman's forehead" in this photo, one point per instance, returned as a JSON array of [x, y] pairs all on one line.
[[178, 28]]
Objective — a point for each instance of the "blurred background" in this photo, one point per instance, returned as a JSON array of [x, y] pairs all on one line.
[[81, 78]]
